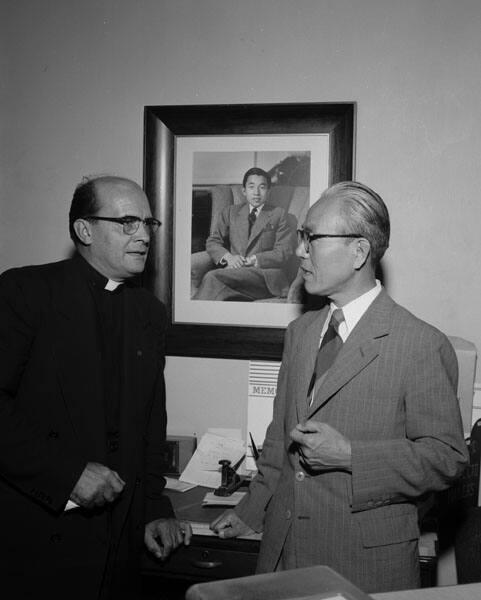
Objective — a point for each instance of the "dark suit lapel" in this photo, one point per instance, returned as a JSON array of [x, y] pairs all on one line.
[[136, 331], [260, 224], [77, 352], [360, 348]]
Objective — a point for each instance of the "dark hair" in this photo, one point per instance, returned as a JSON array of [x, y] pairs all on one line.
[[365, 213], [256, 171], [84, 202]]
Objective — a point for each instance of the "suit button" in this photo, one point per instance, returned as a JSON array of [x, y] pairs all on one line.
[[55, 538], [138, 481], [53, 435], [300, 476], [139, 352], [288, 514]]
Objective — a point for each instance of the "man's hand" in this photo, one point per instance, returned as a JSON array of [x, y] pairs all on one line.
[[322, 447], [234, 261], [230, 525], [96, 486], [164, 535], [251, 261]]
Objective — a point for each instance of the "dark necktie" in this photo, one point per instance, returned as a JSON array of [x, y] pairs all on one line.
[[251, 218], [330, 346]]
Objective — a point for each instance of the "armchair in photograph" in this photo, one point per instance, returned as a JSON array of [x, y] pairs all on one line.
[[294, 200]]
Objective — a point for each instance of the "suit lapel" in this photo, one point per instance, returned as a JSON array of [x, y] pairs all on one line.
[[260, 223], [361, 348], [136, 330], [77, 351], [242, 226]]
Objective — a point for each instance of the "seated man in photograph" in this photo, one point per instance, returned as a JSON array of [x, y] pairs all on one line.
[[250, 247]]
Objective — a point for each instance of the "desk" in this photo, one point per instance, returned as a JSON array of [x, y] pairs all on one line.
[[207, 558], [211, 558]]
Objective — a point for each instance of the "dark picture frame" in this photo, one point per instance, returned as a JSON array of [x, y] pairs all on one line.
[[162, 125]]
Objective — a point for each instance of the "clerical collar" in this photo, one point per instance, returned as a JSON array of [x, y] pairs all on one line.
[[95, 278], [112, 285]]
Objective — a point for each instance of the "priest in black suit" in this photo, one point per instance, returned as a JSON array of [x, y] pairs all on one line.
[[82, 409]]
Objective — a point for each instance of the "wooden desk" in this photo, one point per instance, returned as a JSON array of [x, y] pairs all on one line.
[[211, 558], [207, 558]]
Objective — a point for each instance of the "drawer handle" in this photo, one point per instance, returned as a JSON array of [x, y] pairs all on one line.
[[207, 564]]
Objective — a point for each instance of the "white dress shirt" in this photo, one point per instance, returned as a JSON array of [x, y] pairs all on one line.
[[352, 311]]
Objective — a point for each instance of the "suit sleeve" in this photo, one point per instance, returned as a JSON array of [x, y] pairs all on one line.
[[433, 453], [40, 465], [282, 248], [218, 242], [251, 508], [158, 505]]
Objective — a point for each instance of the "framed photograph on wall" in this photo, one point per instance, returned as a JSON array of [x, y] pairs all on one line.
[[195, 159]]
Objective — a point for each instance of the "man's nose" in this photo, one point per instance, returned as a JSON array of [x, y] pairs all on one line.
[[301, 250], [143, 232]]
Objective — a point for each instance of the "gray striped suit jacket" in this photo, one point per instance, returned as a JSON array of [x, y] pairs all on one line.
[[271, 240], [392, 392]]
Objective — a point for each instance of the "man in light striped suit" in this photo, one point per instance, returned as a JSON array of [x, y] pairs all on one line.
[[351, 450]]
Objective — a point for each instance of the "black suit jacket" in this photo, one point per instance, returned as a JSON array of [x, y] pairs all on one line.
[[52, 423]]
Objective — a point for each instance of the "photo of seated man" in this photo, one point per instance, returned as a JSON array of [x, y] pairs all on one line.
[[249, 247]]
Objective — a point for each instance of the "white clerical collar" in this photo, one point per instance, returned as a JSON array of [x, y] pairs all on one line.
[[354, 310], [112, 285]]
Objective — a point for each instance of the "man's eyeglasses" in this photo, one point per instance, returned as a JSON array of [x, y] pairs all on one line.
[[130, 224], [305, 238]]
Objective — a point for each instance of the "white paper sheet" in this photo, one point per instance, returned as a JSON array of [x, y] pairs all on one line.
[[210, 499], [177, 486]]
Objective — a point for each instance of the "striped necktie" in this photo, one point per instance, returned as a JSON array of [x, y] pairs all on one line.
[[330, 346], [251, 218]]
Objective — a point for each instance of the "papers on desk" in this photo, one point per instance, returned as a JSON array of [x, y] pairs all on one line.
[[177, 486], [210, 499], [203, 468], [203, 529]]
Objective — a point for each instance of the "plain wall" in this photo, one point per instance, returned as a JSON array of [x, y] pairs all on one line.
[[75, 77]]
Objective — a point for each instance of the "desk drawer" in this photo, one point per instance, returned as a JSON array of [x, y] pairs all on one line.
[[204, 562]]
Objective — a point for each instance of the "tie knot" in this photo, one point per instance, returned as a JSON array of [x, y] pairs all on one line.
[[337, 318], [252, 218]]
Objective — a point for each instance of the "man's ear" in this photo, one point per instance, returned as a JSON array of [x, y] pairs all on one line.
[[362, 252], [83, 230]]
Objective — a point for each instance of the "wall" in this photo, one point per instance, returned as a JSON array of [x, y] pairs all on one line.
[[76, 75]]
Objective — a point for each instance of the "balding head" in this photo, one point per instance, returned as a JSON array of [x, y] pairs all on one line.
[[91, 193]]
